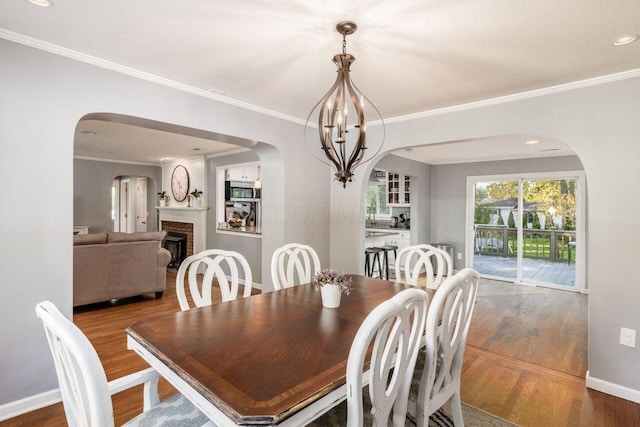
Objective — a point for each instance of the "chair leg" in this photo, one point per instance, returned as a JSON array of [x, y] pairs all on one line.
[[367, 265], [377, 258], [456, 410], [385, 261]]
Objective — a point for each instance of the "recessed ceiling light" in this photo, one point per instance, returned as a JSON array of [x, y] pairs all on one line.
[[42, 3], [532, 141], [626, 39]]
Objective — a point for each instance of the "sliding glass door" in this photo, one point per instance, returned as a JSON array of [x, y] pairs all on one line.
[[495, 210], [527, 229]]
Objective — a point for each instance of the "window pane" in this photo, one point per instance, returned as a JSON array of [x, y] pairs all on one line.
[[376, 200], [382, 200]]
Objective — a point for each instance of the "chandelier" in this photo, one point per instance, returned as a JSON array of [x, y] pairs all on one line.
[[341, 118]]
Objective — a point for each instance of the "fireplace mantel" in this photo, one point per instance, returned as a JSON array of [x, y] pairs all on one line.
[[179, 208], [195, 216]]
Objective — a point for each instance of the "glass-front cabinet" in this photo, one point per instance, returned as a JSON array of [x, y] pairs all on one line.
[[398, 189], [406, 191], [393, 188]]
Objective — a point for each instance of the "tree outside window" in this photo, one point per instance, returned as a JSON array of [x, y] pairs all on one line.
[[377, 200]]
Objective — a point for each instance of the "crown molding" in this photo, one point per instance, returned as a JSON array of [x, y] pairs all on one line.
[[98, 159], [609, 78], [58, 50], [78, 56], [228, 153]]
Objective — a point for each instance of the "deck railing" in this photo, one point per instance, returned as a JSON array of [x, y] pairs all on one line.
[[551, 245]]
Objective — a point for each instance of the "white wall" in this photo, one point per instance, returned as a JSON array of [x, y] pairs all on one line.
[[250, 247], [449, 193], [420, 193], [43, 98], [197, 179], [602, 125], [92, 181]]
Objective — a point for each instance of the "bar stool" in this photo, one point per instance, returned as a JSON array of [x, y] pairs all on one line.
[[369, 264], [385, 257]]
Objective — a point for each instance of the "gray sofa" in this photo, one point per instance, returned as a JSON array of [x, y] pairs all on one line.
[[118, 265]]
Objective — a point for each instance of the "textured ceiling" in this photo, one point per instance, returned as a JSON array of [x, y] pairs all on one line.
[[412, 56]]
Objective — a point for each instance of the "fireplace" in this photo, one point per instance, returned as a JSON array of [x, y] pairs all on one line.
[[180, 229], [176, 244], [189, 221]]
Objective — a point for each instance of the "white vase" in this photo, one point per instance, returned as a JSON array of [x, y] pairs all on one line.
[[331, 295], [163, 202]]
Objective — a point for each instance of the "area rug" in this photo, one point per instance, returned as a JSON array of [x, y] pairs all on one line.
[[473, 417]]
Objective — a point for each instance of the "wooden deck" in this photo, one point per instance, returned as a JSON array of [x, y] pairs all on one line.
[[535, 271]]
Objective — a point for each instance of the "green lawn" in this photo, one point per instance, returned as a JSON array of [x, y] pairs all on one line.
[[535, 246]]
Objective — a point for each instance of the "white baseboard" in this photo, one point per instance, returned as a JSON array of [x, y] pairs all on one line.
[[253, 284], [28, 404], [33, 403], [612, 389]]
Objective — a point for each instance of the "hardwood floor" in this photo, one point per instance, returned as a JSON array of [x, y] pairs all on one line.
[[543, 326], [525, 359]]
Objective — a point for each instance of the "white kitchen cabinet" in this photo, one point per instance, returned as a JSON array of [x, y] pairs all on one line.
[[398, 189], [401, 240], [376, 241], [247, 173]]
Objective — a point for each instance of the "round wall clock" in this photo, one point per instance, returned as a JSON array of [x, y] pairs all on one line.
[[180, 183]]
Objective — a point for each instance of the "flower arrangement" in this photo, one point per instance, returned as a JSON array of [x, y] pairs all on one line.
[[196, 193], [331, 277], [162, 195]]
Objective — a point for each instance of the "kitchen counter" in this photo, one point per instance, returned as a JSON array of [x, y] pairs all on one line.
[[249, 231], [371, 232], [385, 225]]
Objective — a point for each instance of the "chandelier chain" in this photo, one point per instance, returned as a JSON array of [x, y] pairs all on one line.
[[344, 44]]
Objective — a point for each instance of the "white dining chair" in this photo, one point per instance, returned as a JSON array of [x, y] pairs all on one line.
[[293, 264], [414, 262], [436, 378], [86, 394], [228, 268], [395, 328]]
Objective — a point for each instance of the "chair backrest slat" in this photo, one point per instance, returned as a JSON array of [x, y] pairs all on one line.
[[395, 327], [447, 327], [82, 380], [430, 262], [227, 268], [293, 264]]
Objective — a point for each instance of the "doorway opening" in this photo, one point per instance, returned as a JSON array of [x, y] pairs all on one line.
[[129, 207], [528, 229]]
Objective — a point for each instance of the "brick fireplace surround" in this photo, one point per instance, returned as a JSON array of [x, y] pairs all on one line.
[[190, 221], [180, 227]]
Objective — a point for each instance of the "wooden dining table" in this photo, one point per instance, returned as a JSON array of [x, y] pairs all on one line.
[[276, 358]]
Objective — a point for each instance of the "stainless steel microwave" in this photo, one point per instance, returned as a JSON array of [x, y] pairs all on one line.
[[238, 191]]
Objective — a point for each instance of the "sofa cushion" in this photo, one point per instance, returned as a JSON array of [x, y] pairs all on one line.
[[90, 239], [136, 237], [118, 270]]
